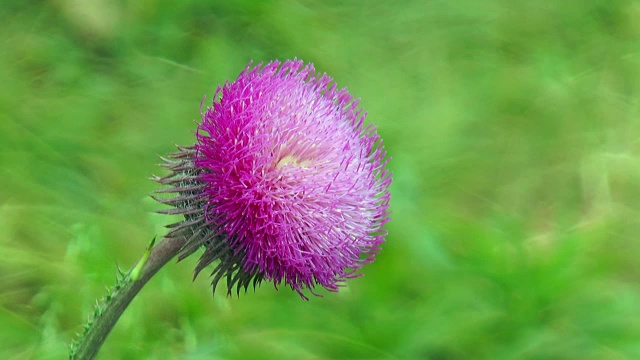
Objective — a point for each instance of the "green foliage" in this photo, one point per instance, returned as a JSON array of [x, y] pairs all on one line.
[[513, 128]]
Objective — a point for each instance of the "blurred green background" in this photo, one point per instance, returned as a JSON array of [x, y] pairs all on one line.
[[514, 131]]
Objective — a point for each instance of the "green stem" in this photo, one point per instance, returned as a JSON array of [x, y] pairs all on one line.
[[106, 317]]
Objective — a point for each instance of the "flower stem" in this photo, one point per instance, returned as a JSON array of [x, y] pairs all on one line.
[[107, 314]]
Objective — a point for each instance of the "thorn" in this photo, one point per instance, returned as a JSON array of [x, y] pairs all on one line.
[[135, 273]]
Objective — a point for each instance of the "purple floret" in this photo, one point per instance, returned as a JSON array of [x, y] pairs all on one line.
[[290, 179]]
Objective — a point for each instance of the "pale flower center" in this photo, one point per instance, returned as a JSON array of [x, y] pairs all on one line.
[[294, 161]]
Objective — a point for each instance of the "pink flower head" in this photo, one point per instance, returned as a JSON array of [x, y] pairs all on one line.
[[291, 185]]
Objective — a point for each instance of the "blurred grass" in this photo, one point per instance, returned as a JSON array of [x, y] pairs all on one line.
[[515, 134]]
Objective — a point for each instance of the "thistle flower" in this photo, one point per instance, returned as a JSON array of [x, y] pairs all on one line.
[[285, 182]]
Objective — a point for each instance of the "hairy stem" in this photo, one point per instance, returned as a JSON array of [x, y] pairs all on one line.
[[108, 313]]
